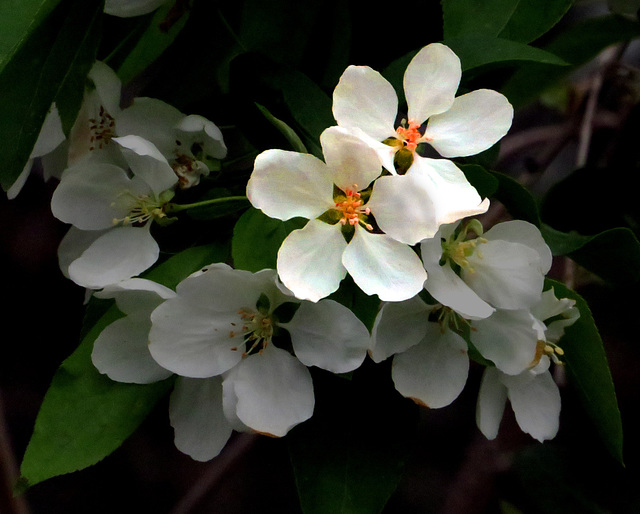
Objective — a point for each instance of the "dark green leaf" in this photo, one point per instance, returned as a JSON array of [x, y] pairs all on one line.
[[481, 179], [167, 22], [529, 21], [296, 143], [516, 199], [468, 17], [85, 416], [213, 211], [257, 239], [589, 373], [349, 457], [49, 62]]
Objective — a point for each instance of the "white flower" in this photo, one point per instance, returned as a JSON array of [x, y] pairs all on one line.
[[367, 105], [49, 140], [121, 352], [339, 237], [503, 268], [185, 141], [229, 322], [533, 394], [116, 210], [129, 8]]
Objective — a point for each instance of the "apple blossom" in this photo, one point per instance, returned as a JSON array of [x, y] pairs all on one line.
[[230, 323], [341, 237]]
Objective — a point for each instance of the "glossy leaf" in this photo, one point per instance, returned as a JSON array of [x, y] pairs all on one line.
[[468, 17], [529, 21]]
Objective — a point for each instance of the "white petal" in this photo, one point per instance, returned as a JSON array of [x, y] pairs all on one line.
[[136, 295], [474, 123], [73, 244], [447, 287], [192, 341], [452, 194], [364, 99], [506, 275], [286, 184], [146, 162], [398, 326], [86, 194], [19, 183], [353, 164], [434, 372], [196, 415], [310, 260], [403, 208], [274, 391], [492, 398], [121, 352], [51, 134], [108, 87], [198, 129], [120, 253], [431, 81], [328, 335], [523, 232], [536, 404], [383, 266], [129, 8], [507, 338]]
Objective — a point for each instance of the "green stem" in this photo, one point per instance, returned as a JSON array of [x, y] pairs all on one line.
[[174, 207]]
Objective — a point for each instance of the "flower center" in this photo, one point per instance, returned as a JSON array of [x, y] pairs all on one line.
[[409, 133], [352, 209], [458, 248], [143, 208], [188, 170], [551, 350], [256, 328], [101, 130]]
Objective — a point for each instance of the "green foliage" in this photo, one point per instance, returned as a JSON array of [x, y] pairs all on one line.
[[589, 374], [44, 64]]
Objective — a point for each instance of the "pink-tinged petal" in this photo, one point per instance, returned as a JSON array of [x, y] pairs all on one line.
[[434, 372], [492, 398], [147, 163], [507, 338], [86, 194], [474, 123], [447, 287], [535, 400], [273, 391], [431, 81], [398, 327], [452, 194], [286, 184], [383, 266], [196, 415], [364, 99], [118, 254], [192, 342], [121, 352], [328, 335], [310, 260], [403, 208], [506, 275], [523, 232], [353, 164]]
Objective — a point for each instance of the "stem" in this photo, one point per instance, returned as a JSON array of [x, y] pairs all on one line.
[[174, 207]]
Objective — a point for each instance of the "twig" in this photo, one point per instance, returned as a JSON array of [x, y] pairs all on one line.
[[8, 474]]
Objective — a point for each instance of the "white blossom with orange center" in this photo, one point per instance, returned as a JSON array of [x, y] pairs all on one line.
[[365, 103], [227, 322], [343, 210]]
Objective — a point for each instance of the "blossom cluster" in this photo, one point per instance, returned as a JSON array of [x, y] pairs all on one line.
[[399, 223]]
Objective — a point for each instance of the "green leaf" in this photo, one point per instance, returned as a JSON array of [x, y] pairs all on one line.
[[475, 51], [209, 212], [517, 199], [529, 21], [348, 458], [48, 66], [85, 416], [296, 143], [468, 17], [481, 179], [257, 239], [577, 45], [613, 254], [166, 23], [589, 374]]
